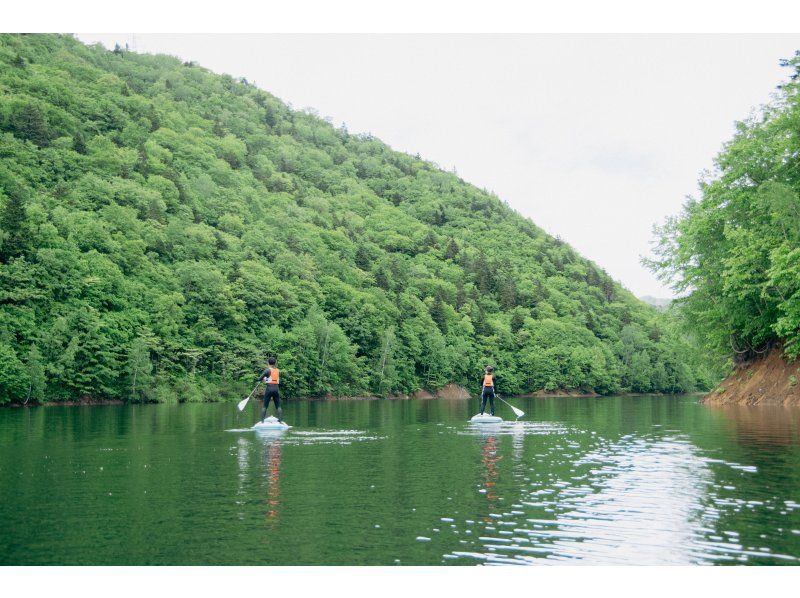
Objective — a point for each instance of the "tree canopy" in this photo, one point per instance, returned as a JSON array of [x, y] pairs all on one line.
[[736, 249], [164, 229]]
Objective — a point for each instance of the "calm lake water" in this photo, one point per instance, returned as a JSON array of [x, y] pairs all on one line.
[[621, 480]]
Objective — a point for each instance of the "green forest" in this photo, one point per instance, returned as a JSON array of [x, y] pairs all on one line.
[[164, 229], [736, 249]]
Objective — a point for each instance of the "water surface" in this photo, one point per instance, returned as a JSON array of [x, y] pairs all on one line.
[[620, 480]]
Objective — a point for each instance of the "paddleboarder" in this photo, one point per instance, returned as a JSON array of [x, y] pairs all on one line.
[[271, 376], [488, 389]]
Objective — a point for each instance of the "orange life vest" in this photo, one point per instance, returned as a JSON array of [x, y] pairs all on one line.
[[488, 380], [274, 376]]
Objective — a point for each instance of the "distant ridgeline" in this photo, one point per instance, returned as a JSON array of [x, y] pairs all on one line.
[[657, 302], [165, 229], [737, 247]]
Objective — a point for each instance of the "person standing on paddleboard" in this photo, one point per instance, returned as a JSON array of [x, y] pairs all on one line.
[[488, 385], [272, 378]]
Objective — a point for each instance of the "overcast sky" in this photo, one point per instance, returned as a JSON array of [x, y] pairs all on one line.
[[594, 137]]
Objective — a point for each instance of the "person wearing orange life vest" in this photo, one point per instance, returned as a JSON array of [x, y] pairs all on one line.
[[488, 387], [271, 376]]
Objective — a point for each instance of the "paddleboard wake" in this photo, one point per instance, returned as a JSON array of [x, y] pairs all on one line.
[[486, 419], [271, 423]]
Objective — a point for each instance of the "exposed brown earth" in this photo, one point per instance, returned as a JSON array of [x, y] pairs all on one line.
[[452, 391], [772, 380], [448, 391]]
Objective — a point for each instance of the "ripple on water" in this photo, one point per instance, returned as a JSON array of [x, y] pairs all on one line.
[[640, 500], [305, 437], [513, 428]]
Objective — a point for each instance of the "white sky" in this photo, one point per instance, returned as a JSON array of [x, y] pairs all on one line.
[[594, 137]]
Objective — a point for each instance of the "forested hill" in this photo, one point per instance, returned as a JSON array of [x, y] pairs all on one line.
[[165, 229]]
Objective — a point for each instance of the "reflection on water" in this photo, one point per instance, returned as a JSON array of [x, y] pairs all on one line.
[[273, 468], [489, 457], [620, 504], [620, 480], [643, 500], [268, 442], [331, 437], [517, 429], [763, 425]]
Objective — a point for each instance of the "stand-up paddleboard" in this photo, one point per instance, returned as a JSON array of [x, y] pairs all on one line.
[[271, 423], [486, 419]]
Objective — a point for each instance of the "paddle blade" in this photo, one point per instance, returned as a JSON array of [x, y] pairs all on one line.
[[518, 412], [242, 404]]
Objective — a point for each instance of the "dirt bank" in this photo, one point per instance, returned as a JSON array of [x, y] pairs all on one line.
[[772, 380], [449, 391], [452, 391]]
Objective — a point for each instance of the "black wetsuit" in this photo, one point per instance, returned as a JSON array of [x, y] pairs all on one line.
[[271, 392], [488, 393]]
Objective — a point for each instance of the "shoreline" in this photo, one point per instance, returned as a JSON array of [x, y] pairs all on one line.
[[767, 380], [461, 395]]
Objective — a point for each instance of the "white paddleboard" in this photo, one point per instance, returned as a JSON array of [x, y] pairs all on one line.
[[486, 419], [271, 423]]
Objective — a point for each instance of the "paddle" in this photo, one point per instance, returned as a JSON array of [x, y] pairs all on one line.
[[518, 412], [243, 404]]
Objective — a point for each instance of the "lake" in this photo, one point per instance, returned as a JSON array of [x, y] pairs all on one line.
[[613, 480]]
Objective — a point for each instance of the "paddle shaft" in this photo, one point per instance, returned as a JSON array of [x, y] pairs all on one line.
[[517, 412], [243, 404]]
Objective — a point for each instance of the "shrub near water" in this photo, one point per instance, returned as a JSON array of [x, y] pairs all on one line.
[[164, 229]]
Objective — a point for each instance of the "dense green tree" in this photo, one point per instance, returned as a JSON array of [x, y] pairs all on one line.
[[385, 372], [13, 225], [79, 143], [36, 376], [167, 229], [140, 369], [29, 122], [14, 382], [734, 251]]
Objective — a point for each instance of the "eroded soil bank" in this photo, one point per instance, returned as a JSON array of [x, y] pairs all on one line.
[[772, 380]]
